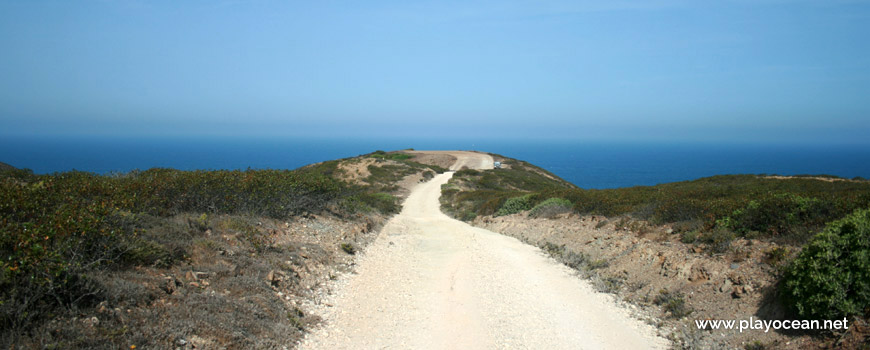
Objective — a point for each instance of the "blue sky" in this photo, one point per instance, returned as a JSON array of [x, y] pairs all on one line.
[[741, 70]]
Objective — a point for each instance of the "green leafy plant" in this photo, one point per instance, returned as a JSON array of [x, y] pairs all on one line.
[[348, 248], [750, 206], [515, 205], [830, 278]]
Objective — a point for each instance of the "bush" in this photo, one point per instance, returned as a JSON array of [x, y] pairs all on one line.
[[60, 229], [551, 207], [468, 216], [751, 206], [515, 205], [575, 260], [689, 237], [718, 240], [348, 248], [830, 278], [778, 214], [673, 303], [382, 202]]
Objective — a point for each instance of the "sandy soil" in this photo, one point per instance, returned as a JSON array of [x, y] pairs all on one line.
[[454, 160], [356, 171], [432, 282]]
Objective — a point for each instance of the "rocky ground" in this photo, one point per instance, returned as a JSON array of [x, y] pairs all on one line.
[[237, 288], [674, 283]]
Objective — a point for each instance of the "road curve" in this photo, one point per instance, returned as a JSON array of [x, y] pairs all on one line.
[[432, 282]]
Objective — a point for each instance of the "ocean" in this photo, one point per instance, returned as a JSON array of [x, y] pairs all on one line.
[[588, 164]]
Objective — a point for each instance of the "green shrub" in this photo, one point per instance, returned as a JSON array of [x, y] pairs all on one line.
[[778, 214], [348, 248], [673, 303], [750, 206], [382, 202], [59, 229], [49, 240], [393, 156], [573, 259], [515, 205], [551, 207], [258, 239], [689, 237], [830, 278], [718, 240]]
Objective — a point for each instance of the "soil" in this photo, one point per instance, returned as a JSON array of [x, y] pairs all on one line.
[[642, 260], [429, 281]]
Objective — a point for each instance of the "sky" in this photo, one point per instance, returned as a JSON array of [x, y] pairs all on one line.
[[739, 70]]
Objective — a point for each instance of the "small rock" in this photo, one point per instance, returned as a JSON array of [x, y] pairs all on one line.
[[726, 286], [170, 285], [734, 266], [274, 277], [103, 307], [738, 292]]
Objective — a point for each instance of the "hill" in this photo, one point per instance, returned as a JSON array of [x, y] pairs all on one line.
[[181, 259], [722, 247], [164, 258]]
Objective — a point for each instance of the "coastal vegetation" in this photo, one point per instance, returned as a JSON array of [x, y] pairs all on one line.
[[66, 237], [76, 246], [830, 278], [825, 215]]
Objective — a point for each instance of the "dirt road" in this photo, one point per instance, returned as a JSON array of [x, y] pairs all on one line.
[[432, 282]]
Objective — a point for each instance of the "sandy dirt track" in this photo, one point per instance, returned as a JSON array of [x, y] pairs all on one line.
[[432, 282]]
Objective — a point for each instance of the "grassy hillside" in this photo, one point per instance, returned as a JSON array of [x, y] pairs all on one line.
[[474, 192], [749, 205], [78, 244], [823, 212]]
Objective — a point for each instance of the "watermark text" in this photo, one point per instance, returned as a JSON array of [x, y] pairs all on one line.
[[766, 325]]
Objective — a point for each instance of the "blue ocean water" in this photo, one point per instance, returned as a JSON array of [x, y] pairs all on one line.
[[586, 164]]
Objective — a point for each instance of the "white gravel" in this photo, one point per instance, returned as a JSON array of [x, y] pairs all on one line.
[[432, 282]]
